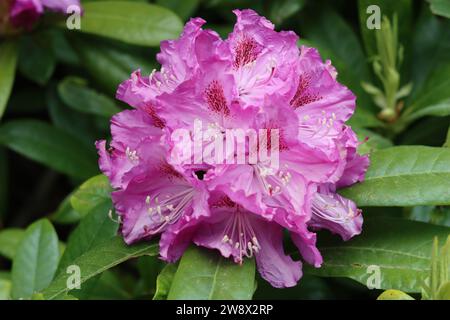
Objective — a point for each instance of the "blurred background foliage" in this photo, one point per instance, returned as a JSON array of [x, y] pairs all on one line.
[[62, 96]]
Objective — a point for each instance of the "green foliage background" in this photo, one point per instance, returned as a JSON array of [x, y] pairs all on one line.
[[56, 97]]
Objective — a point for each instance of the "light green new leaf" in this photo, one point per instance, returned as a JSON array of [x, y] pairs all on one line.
[[401, 8], [395, 250], [164, 281], [404, 176], [76, 94], [50, 146], [8, 61], [205, 275], [35, 261], [5, 289], [131, 22], [90, 194], [9, 240], [100, 258], [394, 295]]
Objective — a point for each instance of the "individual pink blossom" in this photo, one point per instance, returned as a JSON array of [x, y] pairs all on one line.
[[256, 79]]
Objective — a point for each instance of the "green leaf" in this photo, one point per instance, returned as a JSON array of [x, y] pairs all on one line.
[[131, 22], [90, 194], [107, 64], [405, 176], [399, 248], [50, 146], [335, 40], [93, 229], [184, 8], [99, 259], [431, 44], [394, 295], [82, 126], [9, 241], [441, 109], [436, 215], [164, 281], [444, 292], [447, 140], [283, 9], [35, 261], [65, 213], [440, 7], [205, 275], [107, 286], [8, 61], [75, 94], [4, 183], [5, 289], [403, 10], [435, 90], [36, 59], [374, 141], [149, 269]]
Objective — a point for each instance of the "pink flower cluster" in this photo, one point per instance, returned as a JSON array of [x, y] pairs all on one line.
[[24, 13], [256, 79]]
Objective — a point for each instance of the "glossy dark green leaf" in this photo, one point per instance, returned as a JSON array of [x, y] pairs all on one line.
[[149, 269], [431, 44], [205, 275], [436, 215], [9, 241], [405, 176], [130, 22], [76, 94], [184, 8], [434, 95], [99, 259], [440, 7], [107, 286], [36, 59], [440, 109], [283, 9], [90, 194], [397, 250], [8, 61], [50, 146], [35, 261], [336, 41], [164, 281], [93, 229], [109, 65], [80, 125]]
